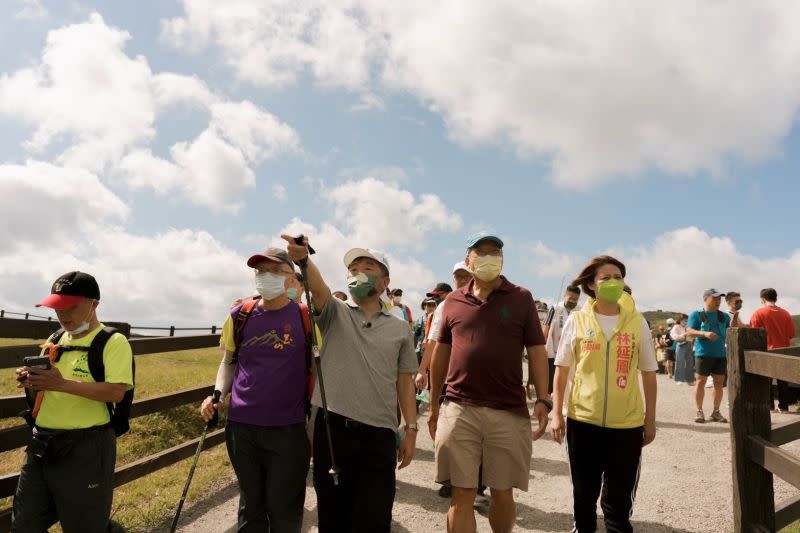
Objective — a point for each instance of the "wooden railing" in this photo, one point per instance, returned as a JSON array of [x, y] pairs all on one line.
[[18, 436], [755, 441]]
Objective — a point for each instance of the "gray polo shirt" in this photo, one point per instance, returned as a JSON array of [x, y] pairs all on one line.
[[361, 361]]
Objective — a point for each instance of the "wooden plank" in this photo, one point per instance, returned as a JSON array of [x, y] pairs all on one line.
[[11, 406], [785, 432], [142, 467], [11, 356], [773, 365], [787, 512], [157, 461], [16, 436], [792, 350], [748, 395], [20, 328], [781, 463]]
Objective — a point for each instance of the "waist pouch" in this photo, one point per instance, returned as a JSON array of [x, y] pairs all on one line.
[[51, 446]]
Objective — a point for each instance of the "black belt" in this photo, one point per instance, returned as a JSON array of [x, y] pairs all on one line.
[[71, 434], [348, 423]]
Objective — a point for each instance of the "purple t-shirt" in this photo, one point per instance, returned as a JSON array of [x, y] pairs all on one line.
[[269, 383]]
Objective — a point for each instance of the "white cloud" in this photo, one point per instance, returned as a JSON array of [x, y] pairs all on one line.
[[257, 133], [672, 272], [600, 91], [86, 92], [270, 43], [381, 214], [279, 192], [63, 220], [548, 263], [88, 95], [31, 10], [48, 205]]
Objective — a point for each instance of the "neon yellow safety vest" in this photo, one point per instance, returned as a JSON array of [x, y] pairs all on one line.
[[605, 389]]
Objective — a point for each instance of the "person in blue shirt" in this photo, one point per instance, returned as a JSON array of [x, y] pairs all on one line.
[[708, 326]]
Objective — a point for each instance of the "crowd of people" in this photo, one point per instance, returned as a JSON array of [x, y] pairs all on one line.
[[691, 349], [334, 382]]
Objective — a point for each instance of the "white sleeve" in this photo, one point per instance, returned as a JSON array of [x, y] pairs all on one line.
[[566, 348], [677, 333], [225, 375], [647, 351], [436, 322]]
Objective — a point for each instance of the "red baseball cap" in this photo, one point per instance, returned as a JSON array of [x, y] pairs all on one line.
[[70, 289]]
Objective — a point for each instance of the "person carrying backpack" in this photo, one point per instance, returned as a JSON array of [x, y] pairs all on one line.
[[79, 405], [709, 327], [266, 370]]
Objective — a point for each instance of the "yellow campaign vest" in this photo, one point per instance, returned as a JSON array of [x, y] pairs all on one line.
[[605, 390]]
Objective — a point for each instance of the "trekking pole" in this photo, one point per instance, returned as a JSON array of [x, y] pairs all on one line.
[[211, 424], [334, 471]]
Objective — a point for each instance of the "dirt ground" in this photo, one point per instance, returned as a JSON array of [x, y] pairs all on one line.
[[685, 482]]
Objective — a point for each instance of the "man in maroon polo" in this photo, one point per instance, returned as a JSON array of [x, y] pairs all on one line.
[[484, 417]]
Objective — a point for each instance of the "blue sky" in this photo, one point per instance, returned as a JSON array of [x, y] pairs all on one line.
[[688, 199]]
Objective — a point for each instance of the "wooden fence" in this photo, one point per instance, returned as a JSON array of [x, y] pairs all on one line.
[[17, 436], [755, 441]]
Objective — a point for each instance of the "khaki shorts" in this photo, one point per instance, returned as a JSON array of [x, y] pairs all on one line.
[[467, 436]]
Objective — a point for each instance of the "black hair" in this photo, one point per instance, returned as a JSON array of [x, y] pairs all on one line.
[[770, 295]]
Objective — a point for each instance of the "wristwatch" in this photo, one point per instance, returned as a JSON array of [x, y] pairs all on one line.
[[547, 403], [412, 427]]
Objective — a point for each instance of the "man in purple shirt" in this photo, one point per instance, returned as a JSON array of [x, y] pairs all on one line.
[[484, 418], [266, 375]]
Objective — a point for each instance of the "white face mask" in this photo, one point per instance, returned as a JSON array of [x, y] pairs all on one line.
[[397, 300], [84, 327], [270, 285]]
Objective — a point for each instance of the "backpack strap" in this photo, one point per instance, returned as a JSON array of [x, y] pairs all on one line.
[[97, 367], [304, 313], [704, 318], [242, 316]]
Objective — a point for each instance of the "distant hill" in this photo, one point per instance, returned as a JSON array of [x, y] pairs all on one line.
[[657, 318]]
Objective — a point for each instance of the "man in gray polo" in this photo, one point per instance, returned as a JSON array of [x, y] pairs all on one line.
[[367, 361]]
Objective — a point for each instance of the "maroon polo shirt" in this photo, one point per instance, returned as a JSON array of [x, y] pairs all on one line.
[[487, 340]]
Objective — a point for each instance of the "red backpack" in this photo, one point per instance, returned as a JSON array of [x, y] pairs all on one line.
[[243, 315]]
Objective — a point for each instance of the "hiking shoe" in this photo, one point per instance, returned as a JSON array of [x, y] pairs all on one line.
[[716, 416], [701, 418]]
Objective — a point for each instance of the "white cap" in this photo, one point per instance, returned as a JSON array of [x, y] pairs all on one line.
[[355, 253], [461, 265], [670, 321]]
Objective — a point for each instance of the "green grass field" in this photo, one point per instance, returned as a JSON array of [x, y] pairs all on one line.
[[147, 502]]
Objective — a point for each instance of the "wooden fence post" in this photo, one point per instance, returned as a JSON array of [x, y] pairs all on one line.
[[748, 394]]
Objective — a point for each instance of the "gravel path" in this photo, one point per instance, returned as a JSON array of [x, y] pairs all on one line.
[[685, 482]]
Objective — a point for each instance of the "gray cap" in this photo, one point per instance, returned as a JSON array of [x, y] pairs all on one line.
[[712, 292]]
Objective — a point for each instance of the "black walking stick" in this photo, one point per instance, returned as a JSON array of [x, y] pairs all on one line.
[[303, 264], [211, 424]]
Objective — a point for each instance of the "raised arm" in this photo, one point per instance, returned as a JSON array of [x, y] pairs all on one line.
[[320, 293]]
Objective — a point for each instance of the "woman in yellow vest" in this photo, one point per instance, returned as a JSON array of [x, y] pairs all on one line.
[[608, 344]]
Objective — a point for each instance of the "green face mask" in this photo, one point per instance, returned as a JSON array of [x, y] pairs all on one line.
[[362, 285], [610, 290], [291, 293]]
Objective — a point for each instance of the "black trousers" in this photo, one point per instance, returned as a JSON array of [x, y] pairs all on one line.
[[367, 458], [551, 374], [271, 464], [73, 483], [603, 458]]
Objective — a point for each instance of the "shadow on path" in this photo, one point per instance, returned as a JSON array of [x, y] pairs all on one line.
[[708, 427], [549, 466]]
